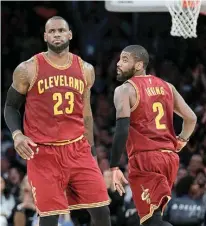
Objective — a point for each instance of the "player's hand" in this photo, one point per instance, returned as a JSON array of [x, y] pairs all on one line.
[[180, 144], [22, 146], [118, 180]]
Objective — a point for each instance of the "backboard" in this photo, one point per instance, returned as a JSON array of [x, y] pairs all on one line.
[[141, 6]]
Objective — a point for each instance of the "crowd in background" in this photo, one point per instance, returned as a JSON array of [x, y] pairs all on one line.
[[99, 36]]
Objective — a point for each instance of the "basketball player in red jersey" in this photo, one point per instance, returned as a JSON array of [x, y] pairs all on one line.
[[144, 112], [58, 129]]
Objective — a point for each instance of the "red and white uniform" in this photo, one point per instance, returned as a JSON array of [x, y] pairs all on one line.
[[153, 164], [63, 173]]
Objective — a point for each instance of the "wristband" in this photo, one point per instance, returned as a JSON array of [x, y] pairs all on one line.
[[15, 133], [182, 139]]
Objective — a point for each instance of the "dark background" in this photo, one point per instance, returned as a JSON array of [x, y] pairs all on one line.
[[98, 37]]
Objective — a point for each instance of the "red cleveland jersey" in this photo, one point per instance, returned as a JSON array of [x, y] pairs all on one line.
[[54, 103], [151, 126]]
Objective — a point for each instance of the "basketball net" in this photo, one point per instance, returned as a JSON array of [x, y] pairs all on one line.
[[184, 15]]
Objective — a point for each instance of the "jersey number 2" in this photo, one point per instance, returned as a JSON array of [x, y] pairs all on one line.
[[157, 107], [58, 97]]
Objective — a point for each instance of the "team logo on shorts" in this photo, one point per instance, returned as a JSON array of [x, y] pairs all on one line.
[[33, 189], [145, 196]]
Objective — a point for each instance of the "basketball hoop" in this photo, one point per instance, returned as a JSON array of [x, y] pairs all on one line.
[[184, 15]]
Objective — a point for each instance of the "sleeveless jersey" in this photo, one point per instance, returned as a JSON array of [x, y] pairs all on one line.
[[151, 121], [54, 103]]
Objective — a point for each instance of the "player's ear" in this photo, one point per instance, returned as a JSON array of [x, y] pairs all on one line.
[[45, 37], [70, 35], [139, 65]]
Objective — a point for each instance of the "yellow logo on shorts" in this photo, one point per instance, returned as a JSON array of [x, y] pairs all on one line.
[[145, 196], [33, 189]]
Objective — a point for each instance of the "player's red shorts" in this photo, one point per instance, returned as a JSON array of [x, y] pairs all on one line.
[[66, 177], [151, 177]]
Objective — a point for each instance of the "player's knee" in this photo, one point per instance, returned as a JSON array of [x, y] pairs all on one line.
[[49, 220]]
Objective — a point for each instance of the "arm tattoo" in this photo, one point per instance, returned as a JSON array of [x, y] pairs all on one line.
[[119, 106], [121, 102], [88, 122], [20, 78], [90, 74], [88, 118]]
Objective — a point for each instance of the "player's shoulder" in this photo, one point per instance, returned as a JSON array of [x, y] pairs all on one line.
[[88, 72], [27, 67], [168, 84], [27, 63], [119, 89], [160, 79], [125, 88], [31, 64], [87, 66]]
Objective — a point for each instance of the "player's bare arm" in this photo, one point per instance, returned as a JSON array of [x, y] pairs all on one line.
[[124, 99], [182, 109], [87, 111], [16, 97], [186, 113]]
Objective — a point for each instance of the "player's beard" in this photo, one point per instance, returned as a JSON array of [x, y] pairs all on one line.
[[124, 76], [58, 49]]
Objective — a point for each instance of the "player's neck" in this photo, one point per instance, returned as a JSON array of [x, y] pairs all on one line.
[[140, 73], [58, 58]]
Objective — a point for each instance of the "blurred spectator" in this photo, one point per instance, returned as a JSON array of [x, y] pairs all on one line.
[[25, 211], [99, 37], [116, 205], [15, 176], [5, 165], [187, 208], [130, 216], [7, 202], [182, 172], [201, 181], [3, 221], [6, 142], [65, 220], [101, 152], [195, 164], [104, 165]]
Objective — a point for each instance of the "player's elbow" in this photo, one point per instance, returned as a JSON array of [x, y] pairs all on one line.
[[192, 118]]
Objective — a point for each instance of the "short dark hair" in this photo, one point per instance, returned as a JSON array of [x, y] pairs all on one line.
[[138, 52], [7, 189], [57, 18], [184, 185], [200, 171]]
